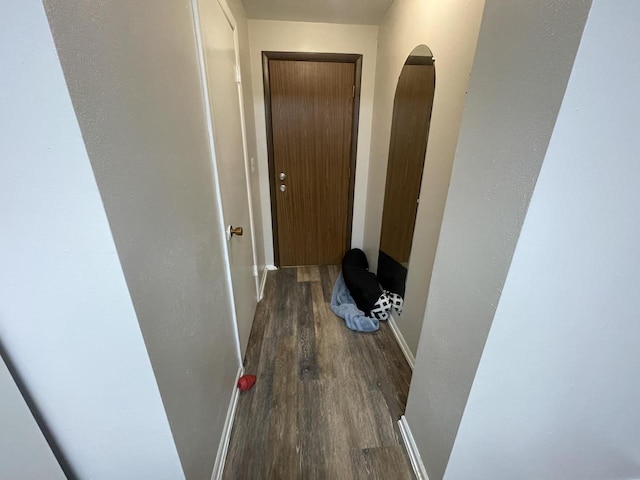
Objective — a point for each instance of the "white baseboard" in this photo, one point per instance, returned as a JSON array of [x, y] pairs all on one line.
[[411, 360], [263, 279], [412, 450], [263, 282], [221, 456]]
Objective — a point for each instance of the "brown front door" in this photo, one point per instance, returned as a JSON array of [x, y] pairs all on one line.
[[312, 118]]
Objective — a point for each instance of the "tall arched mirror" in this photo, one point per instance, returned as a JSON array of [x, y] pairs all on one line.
[[407, 148]]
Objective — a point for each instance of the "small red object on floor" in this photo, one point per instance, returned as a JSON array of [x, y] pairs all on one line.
[[245, 382]]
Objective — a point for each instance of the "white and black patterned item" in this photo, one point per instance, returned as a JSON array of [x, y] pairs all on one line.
[[396, 301], [382, 307]]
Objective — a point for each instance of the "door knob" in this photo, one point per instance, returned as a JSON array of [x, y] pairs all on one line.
[[234, 231], [283, 188], [282, 176]]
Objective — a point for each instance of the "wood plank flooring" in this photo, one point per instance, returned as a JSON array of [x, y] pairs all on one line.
[[327, 400]]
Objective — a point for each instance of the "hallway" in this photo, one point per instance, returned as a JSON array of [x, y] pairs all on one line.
[[327, 400]]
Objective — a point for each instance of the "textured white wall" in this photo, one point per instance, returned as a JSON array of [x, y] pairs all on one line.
[[24, 452], [524, 56], [352, 12], [67, 322], [450, 30], [133, 73], [266, 35], [557, 389]]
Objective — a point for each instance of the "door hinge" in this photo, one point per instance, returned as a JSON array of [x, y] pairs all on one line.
[[255, 270], [353, 92], [238, 76]]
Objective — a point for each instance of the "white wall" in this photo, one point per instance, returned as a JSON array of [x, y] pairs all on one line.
[[133, 73], [266, 35], [360, 12], [524, 56], [450, 30], [67, 322], [557, 389], [24, 452]]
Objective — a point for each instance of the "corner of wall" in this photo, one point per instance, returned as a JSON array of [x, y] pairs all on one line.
[[508, 119]]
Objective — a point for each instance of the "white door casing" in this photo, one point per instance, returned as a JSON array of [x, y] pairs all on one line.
[[217, 41]]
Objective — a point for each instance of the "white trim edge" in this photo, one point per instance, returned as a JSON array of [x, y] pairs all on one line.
[[412, 450], [221, 456], [263, 279], [263, 282], [411, 360]]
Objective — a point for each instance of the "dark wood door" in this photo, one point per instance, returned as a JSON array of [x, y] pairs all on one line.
[[407, 149], [312, 108]]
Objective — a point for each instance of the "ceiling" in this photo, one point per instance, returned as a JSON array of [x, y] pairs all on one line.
[[355, 12]]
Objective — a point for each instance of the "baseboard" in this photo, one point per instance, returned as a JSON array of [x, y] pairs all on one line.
[[411, 360], [263, 282], [412, 450], [263, 279], [221, 456]]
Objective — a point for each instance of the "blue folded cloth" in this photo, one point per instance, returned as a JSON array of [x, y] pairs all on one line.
[[344, 306]]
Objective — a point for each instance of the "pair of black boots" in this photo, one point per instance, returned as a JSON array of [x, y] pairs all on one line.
[[365, 289]]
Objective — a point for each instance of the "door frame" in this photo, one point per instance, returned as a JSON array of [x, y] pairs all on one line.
[[354, 58]]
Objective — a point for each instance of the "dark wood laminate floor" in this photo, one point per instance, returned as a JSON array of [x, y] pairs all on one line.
[[327, 400]]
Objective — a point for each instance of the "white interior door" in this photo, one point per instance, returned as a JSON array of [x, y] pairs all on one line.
[[218, 42]]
